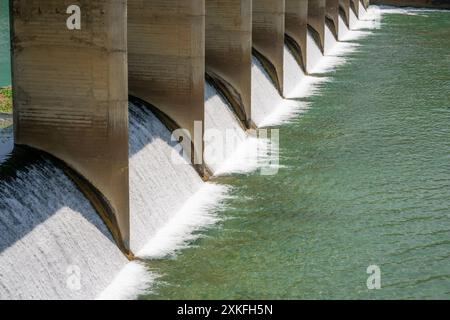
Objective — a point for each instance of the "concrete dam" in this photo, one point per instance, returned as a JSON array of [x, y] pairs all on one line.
[[124, 113]]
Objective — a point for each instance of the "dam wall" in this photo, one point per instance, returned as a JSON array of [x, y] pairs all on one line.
[[296, 20], [332, 16], [354, 5], [316, 21], [229, 52], [268, 37], [70, 94], [102, 99], [344, 10], [166, 64]]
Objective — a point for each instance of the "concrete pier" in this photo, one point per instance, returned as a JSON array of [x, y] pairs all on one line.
[[297, 28], [344, 9], [332, 16], [70, 94], [268, 37], [316, 21], [229, 52], [354, 5], [166, 62]]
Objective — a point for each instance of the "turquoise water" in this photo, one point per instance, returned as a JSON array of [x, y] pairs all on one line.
[[5, 64], [365, 181]]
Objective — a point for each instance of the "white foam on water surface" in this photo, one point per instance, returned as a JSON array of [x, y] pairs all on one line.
[[53, 245], [411, 11], [195, 214], [313, 53], [132, 281], [296, 84], [160, 179], [224, 134], [63, 249]]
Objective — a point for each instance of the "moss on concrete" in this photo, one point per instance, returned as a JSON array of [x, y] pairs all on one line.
[[6, 100]]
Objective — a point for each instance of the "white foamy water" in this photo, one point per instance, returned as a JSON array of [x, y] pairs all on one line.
[[223, 132], [159, 185], [268, 107], [313, 53], [53, 245], [404, 10], [353, 20], [168, 202], [370, 19], [228, 148], [296, 83], [330, 40], [343, 30], [319, 63], [196, 213], [345, 34], [6, 142], [134, 279], [265, 97]]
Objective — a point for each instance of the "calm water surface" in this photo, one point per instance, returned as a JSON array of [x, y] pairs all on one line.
[[366, 181], [5, 64]]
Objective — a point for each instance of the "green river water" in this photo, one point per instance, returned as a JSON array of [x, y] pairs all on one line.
[[365, 181], [5, 68]]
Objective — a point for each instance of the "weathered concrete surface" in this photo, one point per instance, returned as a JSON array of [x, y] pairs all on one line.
[[344, 9], [316, 20], [70, 93], [229, 52], [441, 4], [332, 16], [268, 36], [166, 59], [354, 5], [297, 28]]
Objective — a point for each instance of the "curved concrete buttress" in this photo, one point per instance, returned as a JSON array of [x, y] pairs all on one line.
[[70, 94], [316, 21], [166, 62], [296, 29], [354, 5], [268, 37], [332, 16], [229, 52], [344, 8], [366, 4]]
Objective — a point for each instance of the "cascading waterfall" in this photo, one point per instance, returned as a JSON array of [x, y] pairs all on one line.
[[53, 243], [228, 147], [343, 29], [223, 133], [353, 20], [168, 198], [296, 83], [6, 143], [330, 40], [265, 97], [293, 74], [313, 53], [161, 180], [361, 12]]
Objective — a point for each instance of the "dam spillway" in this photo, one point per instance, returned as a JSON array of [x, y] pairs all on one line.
[[154, 179], [221, 70]]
